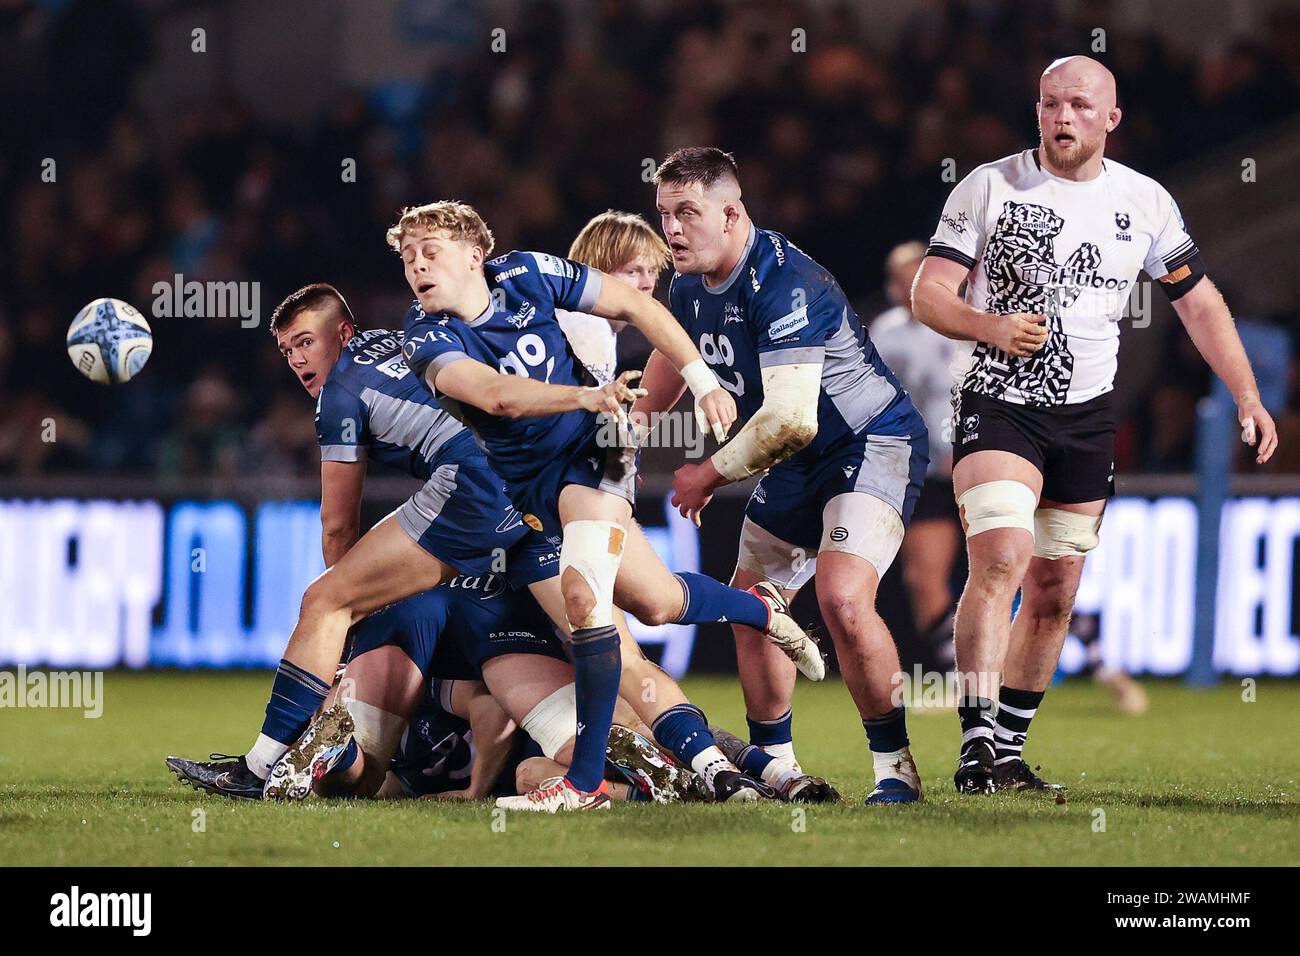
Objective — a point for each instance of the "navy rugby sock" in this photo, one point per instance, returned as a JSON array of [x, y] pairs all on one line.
[[708, 601], [598, 668], [296, 694]]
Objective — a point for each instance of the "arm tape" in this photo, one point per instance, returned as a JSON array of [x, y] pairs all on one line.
[[786, 422]]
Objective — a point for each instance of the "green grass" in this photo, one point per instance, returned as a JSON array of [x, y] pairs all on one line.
[[1203, 779]]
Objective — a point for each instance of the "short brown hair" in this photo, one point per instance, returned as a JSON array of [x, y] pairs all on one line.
[[459, 220], [705, 165], [613, 239], [306, 299]]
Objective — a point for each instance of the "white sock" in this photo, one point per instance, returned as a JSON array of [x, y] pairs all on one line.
[[894, 765], [779, 774], [262, 756], [708, 762], [784, 754]]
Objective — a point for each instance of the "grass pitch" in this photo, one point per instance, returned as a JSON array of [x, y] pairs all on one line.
[[1203, 779]]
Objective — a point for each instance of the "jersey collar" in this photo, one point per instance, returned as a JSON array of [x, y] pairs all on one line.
[[740, 264], [1038, 163]]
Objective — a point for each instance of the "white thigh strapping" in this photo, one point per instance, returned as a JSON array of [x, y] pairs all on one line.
[[554, 721], [1062, 534], [997, 504]]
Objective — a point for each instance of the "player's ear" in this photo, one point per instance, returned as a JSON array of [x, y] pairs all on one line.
[[731, 212], [1113, 118]]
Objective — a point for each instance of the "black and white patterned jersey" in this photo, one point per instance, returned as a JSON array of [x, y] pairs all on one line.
[[1070, 251]]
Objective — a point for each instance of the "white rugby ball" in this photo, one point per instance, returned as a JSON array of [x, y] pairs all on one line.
[[109, 341]]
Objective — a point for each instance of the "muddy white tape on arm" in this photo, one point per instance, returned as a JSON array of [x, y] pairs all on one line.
[[786, 422]]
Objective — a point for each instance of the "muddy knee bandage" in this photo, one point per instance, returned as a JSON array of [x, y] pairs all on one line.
[[1063, 534], [997, 504], [377, 731], [594, 549], [554, 721]]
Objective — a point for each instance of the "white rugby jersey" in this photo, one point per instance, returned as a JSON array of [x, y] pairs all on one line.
[[593, 340], [1068, 250]]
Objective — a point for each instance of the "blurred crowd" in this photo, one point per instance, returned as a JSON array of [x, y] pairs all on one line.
[[840, 147]]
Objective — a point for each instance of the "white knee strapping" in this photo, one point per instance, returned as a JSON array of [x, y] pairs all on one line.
[[863, 525], [554, 721], [997, 504], [377, 731], [1061, 534], [594, 549]]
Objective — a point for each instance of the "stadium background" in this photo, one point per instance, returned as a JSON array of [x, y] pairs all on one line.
[[225, 164]]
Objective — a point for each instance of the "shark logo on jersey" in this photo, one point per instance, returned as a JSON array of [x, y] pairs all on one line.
[[731, 313], [523, 316]]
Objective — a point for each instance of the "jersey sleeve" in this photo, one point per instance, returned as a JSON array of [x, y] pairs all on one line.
[[342, 424], [431, 344], [1173, 261], [960, 233], [795, 319], [570, 285]]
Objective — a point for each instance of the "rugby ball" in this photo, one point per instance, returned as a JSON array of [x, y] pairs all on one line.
[[109, 341]]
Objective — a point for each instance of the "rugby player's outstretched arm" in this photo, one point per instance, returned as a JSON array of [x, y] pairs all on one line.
[[341, 483], [515, 396], [1209, 323], [663, 384], [937, 302], [619, 301]]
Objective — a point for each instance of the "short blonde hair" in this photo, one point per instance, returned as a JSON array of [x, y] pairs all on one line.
[[459, 220], [613, 239]]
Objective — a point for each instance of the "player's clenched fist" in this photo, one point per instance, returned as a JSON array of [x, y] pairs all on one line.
[[717, 411], [612, 397], [1020, 334]]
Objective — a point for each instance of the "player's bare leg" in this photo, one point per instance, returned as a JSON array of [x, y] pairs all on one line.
[[595, 532], [999, 556], [654, 595], [929, 551], [846, 593], [1037, 635], [767, 680]]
